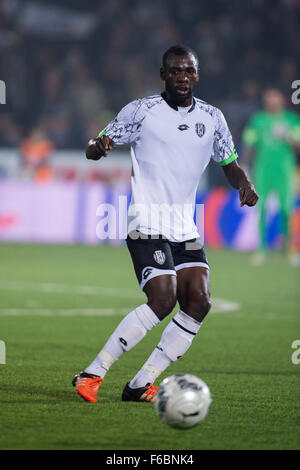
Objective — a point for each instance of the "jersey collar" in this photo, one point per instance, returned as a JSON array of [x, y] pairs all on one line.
[[163, 95]]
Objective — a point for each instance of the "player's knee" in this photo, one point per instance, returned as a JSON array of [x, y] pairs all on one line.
[[206, 306], [163, 302], [162, 295], [164, 305], [199, 305]]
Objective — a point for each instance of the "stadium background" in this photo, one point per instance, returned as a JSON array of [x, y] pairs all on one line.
[[69, 66]]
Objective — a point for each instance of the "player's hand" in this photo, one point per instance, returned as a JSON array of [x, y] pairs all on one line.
[[248, 195], [99, 147]]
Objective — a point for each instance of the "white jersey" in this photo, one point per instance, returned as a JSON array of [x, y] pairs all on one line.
[[170, 150]]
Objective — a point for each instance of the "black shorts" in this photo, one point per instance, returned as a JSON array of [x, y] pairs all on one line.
[[153, 257]]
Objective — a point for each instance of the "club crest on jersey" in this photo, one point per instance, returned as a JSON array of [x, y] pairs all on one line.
[[200, 129], [183, 127], [159, 256]]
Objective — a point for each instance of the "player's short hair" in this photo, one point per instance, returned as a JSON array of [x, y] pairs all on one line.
[[178, 49]]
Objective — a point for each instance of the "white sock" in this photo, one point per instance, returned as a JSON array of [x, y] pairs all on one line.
[[175, 341], [128, 333]]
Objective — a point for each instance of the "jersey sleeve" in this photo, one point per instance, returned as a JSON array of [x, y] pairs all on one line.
[[125, 128], [250, 134], [223, 147]]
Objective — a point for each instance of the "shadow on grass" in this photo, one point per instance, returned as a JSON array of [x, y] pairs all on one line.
[[41, 395]]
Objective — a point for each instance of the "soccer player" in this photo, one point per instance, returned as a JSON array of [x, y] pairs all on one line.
[[173, 136], [274, 135]]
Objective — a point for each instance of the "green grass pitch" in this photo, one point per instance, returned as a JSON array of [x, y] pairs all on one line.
[[50, 300]]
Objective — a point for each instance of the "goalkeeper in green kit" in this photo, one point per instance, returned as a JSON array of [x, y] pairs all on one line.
[[274, 136]]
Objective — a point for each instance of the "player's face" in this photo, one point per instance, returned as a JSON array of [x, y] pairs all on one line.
[[273, 101], [180, 76]]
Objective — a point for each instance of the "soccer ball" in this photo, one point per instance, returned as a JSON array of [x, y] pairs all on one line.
[[182, 401]]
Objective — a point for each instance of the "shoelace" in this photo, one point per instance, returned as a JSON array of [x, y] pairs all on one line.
[[94, 382]]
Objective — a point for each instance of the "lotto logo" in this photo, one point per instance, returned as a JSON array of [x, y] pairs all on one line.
[[183, 127], [123, 341]]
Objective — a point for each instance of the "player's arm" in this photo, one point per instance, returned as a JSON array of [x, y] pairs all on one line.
[[225, 155], [124, 129], [239, 180]]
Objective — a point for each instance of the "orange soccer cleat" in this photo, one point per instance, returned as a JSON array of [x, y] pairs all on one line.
[[147, 393], [87, 386]]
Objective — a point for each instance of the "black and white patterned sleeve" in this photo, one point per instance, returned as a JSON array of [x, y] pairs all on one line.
[[223, 147], [125, 128]]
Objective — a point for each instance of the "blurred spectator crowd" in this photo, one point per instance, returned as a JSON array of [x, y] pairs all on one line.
[[69, 66]]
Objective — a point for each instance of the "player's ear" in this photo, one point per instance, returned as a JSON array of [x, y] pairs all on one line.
[[162, 73]]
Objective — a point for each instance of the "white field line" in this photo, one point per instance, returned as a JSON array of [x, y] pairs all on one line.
[[282, 317], [65, 289], [65, 312], [218, 305], [223, 305]]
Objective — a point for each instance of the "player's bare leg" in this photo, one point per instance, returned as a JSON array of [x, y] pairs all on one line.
[[193, 294], [161, 292]]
